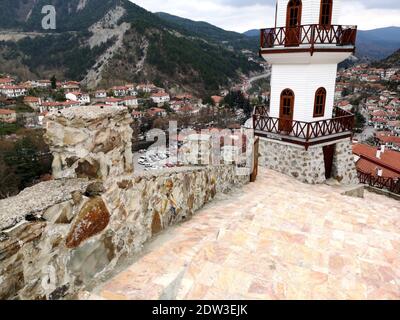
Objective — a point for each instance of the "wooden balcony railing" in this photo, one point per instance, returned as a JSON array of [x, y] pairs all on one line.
[[390, 184], [303, 132], [311, 35]]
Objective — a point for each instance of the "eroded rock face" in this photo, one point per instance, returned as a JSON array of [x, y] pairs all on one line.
[[91, 220]]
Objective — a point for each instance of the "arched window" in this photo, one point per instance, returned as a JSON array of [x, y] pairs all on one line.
[[319, 103], [287, 102], [325, 17], [293, 14], [286, 110]]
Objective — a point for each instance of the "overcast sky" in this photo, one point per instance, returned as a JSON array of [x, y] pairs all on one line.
[[242, 15]]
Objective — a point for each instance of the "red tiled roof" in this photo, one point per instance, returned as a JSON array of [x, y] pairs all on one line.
[[371, 168], [6, 80], [31, 99], [160, 94], [13, 87], [217, 99], [379, 113], [390, 160], [113, 100], [389, 139], [119, 88], [7, 111]]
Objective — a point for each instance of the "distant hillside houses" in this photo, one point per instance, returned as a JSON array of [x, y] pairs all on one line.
[[54, 106], [147, 88], [82, 98], [388, 139], [13, 91], [100, 94], [383, 111], [8, 116], [367, 74], [160, 98], [33, 102], [122, 91], [143, 100], [6, 81]]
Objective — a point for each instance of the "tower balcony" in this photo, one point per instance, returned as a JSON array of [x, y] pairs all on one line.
[[308, 38], [307, 134]]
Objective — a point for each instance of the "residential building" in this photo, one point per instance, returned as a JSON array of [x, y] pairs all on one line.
[[100, 94], [157, 112], [160, 98], [130, 101], [33, 102], [13, 91], [82, 98], [8, 116]]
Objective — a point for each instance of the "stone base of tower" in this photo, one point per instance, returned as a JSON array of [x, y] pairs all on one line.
[[344, 167], [309, 165]]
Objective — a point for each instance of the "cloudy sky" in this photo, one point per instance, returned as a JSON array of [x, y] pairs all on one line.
[[242, 15]]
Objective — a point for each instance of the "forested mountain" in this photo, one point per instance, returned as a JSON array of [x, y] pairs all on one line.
[[107, 42]]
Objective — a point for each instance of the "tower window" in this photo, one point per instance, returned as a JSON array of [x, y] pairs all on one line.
[[319, 104], [326, 13], [293, 18]]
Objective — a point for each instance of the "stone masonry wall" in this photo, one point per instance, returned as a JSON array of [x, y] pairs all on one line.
[[92, 142], [304, 165], [61, 236], [344, 167], [308, 165], [80, 229]]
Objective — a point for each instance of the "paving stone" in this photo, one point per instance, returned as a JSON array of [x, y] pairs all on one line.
[[276, 239]]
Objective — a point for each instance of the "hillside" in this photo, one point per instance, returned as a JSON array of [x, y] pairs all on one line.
[[392, 61], [211, 33], [378, 43], [372, 45], [107, 42]]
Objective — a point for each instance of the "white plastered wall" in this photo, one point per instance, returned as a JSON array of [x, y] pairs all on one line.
[[303, 80], [310, 12]]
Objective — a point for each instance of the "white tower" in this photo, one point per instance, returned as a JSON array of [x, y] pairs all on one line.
[[304, 49]]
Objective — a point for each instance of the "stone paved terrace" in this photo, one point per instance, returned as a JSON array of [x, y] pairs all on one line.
[[277, 239]]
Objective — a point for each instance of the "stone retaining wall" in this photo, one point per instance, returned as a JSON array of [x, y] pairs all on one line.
[[60, 236]]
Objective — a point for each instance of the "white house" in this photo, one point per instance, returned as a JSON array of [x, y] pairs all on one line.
[[113, 101], [33, 102], [8, 116], [160, 97], [55, 106], [100, 94], [137, 115], [131, 90], [43, 83], [120, 91], [7, 81], [130, 101], [82, 98], [13, 91], [146, 88], [157, 112], [70, 86]]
